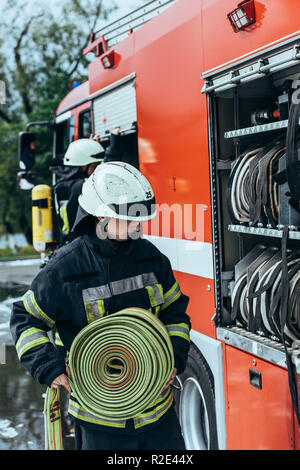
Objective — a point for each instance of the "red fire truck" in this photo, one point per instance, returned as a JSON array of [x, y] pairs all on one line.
[[212, 86]]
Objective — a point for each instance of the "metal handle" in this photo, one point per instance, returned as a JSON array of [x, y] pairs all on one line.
[[177, 387]]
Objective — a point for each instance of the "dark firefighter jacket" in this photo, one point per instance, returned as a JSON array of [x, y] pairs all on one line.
[[113, 152], [67, 192], [83, 281]]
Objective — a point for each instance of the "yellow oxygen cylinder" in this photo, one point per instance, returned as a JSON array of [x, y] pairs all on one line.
[[42, 223]]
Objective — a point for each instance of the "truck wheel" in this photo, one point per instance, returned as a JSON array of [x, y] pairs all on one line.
[[195, 404]]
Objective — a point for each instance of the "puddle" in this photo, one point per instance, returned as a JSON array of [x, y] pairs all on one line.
[[8, 295], [21, 406], [21, 400], [21, 397]]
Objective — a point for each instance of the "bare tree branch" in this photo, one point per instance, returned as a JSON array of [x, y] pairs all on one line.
[[97, 14], [22, 76]]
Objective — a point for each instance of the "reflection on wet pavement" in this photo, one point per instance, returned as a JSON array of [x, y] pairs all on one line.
[[21, 406], [8, 295], [21, 397]]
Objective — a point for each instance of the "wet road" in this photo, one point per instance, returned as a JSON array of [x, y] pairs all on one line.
[[21, 397], [19, 272]]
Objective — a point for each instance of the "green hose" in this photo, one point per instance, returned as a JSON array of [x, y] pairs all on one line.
[[120, 363]]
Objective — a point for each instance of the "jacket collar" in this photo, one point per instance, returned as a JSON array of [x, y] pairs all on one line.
[[108, 249]]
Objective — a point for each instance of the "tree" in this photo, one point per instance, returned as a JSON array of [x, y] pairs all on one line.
[[46, 43], [14, 204], [40, 51]]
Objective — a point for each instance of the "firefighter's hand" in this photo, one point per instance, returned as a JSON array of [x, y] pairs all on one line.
[[61, 380], [116, 131], [170, 381], [97, 138]]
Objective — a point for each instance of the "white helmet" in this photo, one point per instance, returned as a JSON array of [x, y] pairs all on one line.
[[83, 152], [118, 190]]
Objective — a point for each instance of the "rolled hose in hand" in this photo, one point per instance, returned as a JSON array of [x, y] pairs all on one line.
[[120, 363]]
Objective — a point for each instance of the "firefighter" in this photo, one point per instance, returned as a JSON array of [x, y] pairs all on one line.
[[80, 160], [114, 152], [79, 163], [108, 267]]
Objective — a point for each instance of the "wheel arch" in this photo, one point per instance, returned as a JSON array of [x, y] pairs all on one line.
[[211, 351]]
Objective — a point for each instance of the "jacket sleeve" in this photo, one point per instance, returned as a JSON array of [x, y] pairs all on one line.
[[113, 151], [73, 203], [31, 319], [173, 315]]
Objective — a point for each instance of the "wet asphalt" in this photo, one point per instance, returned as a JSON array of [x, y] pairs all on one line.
[[21, 397]]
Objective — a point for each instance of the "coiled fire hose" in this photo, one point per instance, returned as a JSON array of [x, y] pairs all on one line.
[[120, 363]]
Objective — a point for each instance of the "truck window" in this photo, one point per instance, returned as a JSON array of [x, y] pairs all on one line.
[[85, 128]]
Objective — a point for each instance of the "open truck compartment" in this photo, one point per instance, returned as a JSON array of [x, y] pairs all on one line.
[[249, 104]]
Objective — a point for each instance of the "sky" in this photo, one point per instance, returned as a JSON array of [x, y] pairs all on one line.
[[124, 7]]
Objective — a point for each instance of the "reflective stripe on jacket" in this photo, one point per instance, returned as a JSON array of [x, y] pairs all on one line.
[[67, 193]]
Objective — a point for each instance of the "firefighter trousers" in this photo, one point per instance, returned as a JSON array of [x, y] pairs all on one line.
[[166, 435]]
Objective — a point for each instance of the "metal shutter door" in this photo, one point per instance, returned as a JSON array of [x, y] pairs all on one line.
[[115, 108]]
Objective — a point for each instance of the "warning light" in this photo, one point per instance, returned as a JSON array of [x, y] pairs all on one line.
[[243, 15], [108, 59]]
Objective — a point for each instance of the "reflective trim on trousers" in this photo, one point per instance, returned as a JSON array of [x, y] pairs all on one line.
[[78, 412]]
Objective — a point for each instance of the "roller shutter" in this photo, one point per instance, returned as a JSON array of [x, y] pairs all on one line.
[[115, 108]]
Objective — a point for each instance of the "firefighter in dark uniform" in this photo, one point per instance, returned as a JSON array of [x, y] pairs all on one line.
[[109, 255], [80, 160]]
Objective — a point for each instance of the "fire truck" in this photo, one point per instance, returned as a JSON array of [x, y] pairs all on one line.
[[212, 86]]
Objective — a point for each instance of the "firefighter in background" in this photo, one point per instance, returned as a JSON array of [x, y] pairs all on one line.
[[115, 151], [108, 249], [80, 160]]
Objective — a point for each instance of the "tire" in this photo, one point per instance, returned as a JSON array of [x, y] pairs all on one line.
[[195, 404]]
